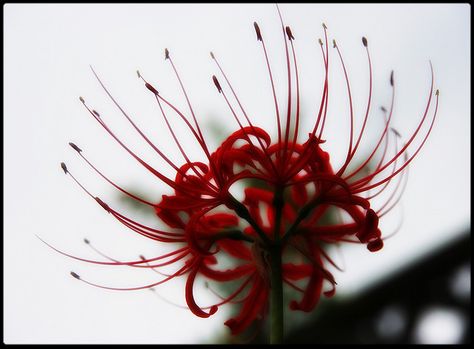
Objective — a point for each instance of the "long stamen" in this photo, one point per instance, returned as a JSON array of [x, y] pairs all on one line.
[[369, 178], [351, 110], [297, 118], [326, 84], [364, 42], [199, 140], [325, 90], [351, 155], [158, 174], [395, 163], [277, 111], [236, 118], [411, 138], [167, 263], [180, 254], [262, 146], [66, 171], [249, 141], [203, 142], [154, 267], [211, 186], [381, 212], [179, 272], [151, 233], [143, 259], [193, 168], [155, 92], [322, 107], [143, 227], [405, 164], [160, 153], [382, 137], [79, 151], [168, 57], [286, 33], [115, 262]]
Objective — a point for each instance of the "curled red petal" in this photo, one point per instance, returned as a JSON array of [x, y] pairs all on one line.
[[244, 133], [375, 245], [184, 169], [254, 304], [312, 292], [311, 295], [370, 228], [190, 295]]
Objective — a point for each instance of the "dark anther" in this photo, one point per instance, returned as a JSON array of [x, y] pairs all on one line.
[[289, 34], [257, 30], [151, 88], [75, 147], [167, 54], [216, 82], [364, 41], [75, 275], [103, 204], [63, 166]]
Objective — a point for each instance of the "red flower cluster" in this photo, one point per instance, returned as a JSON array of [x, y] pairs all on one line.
[[289, 188]]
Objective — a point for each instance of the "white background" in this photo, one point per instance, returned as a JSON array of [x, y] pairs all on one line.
[[48, 49]]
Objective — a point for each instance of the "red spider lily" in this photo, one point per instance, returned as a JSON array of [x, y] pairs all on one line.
[[290, 185]]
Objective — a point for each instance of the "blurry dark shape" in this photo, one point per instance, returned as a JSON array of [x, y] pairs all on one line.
[[460, 283], [393, 311], [391, 323]]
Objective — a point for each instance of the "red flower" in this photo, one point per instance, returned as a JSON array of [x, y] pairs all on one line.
[[290, 186]]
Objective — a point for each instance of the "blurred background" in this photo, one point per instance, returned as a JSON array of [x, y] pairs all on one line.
[[415, 290]]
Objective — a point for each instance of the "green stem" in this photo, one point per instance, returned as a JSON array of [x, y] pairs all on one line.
[[304, 212], [276, 296], [242, 212], [278, 204]]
